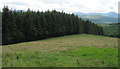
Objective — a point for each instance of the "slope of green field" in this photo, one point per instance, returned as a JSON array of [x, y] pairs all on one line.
[[67, 51]]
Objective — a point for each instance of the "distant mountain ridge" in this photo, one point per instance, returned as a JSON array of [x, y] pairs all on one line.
[[99, 18], [109, 14]]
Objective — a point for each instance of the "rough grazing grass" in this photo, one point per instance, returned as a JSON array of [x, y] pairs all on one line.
[[66, 51]]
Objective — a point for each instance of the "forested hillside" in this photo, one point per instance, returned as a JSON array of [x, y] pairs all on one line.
[[19, 26], [111, 30]]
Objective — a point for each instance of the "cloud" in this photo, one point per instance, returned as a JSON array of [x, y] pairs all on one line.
[[69, 6], [55, 1], [16, 3]]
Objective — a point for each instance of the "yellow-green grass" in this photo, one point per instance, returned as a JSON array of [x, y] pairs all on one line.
[[67, 51]]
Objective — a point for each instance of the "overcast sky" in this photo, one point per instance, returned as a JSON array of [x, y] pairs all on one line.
[[70, 6]]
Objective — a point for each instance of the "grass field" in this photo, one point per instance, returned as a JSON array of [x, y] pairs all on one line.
[[67, 51]]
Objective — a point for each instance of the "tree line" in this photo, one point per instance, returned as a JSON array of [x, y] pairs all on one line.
[[20, 26]]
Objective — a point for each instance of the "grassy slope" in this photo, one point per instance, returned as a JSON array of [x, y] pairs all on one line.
[[67, 51]]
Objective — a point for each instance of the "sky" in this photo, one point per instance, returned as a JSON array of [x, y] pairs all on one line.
[[69, 6]]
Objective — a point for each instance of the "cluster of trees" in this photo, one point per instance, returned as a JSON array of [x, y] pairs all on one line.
[[19, 26]]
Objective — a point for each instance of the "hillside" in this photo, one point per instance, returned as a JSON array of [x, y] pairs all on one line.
[[111, 30], [67, 51], [100, 19], [108, 14]]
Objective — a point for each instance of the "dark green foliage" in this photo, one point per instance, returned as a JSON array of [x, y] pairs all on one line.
[[19, 26]]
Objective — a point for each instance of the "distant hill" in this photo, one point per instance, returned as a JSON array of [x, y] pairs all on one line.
[[99, 18], [109, 14]]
